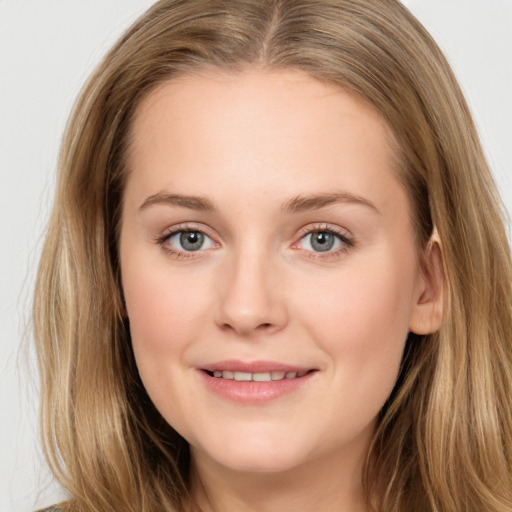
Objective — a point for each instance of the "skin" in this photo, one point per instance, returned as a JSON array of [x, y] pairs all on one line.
[[252, 143]]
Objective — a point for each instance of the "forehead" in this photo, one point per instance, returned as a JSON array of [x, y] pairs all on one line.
[[259, 129]]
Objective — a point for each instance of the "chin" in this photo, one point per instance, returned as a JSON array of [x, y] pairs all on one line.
[[254, 454]]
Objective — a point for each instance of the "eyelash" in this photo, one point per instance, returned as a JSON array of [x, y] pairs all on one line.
[[346, 241], [182, 228]]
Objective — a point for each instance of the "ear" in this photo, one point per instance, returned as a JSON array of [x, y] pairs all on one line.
[[427, 313]]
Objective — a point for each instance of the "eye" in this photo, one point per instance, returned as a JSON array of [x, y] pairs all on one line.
[[189, 241], [324, 241], [320, 241]]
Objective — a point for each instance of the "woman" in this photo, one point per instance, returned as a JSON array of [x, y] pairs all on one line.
[[276, 275]]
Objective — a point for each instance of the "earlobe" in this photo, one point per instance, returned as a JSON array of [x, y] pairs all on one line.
[[427, 314]]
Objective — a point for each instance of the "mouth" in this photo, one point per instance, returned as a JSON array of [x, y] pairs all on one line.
[[241, 376], [255, 382]]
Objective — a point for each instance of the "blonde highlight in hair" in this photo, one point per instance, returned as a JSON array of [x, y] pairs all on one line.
[[444, 438]]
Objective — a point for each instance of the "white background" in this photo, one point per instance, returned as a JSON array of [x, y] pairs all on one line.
[[47, 49]]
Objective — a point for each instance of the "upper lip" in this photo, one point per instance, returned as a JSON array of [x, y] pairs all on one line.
[[234, 365]]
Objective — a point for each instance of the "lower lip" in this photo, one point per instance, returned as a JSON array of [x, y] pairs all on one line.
[[251, 392]]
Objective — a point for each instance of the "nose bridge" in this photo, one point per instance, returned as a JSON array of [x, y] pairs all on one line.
[[249, 292]]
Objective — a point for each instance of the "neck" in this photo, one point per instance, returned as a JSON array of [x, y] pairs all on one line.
[[325, 484]]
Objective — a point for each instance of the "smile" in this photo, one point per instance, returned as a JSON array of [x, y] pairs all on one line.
[[256, 382], [256, 377]]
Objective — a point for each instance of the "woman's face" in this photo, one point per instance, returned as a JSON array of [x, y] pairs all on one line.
[[269, 267]]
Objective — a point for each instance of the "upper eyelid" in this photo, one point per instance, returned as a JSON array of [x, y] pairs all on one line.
[[172, 230], [316, 227]]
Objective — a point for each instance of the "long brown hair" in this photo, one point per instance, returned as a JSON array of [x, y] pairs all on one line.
[[444, 439]]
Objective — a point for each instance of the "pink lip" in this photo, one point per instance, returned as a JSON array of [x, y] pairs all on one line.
[[251, 392]]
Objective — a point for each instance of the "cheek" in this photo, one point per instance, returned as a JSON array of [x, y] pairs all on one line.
[[165, 317], [361, 302], [149, 311], [360, 318], [165, 311]]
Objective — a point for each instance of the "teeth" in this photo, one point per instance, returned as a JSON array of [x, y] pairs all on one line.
[[257, 377], [261, 377], [242, 376]]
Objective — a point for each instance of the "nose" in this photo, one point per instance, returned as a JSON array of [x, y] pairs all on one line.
[[251, 296]]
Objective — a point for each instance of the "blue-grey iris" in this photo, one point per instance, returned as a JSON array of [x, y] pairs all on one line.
[[191, 240], [322, 241]]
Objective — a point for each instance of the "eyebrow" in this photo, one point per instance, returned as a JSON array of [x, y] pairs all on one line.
[[184, 201], [317, 201], [297, 204]]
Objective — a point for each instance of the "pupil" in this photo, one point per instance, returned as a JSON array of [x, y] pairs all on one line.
[[191, 240], [322, 241]]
